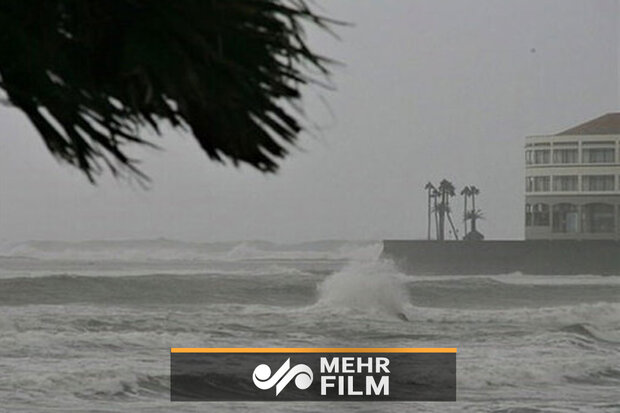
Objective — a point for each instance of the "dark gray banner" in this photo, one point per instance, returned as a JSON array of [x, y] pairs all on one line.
[[218, 376]]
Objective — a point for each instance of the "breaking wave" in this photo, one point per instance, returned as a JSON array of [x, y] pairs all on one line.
[[373, 286]]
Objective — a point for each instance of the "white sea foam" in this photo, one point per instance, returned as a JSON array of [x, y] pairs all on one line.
[[365, 286]]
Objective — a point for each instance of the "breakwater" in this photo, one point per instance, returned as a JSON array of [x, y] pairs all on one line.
[[501, 257]]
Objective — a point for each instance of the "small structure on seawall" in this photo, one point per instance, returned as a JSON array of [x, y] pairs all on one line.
[[473, 235]]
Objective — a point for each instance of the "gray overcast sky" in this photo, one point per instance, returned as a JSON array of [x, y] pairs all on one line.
[[429, 89]]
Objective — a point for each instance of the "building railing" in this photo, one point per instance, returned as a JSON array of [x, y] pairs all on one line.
[[587, 183]]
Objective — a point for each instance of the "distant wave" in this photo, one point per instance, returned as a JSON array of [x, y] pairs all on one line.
[[155, 289], [100, 270], [165, 249]]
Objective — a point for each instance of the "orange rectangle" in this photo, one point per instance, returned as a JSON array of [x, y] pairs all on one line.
[[309, 350]]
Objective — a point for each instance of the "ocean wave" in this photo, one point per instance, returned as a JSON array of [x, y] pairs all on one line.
[[365, 286], [126, 387], [591, 332], [162, 289], [159, 271], [598, 313], [170, 250], [91, 383]]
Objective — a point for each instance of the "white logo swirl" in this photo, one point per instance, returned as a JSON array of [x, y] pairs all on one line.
[[264, 380]]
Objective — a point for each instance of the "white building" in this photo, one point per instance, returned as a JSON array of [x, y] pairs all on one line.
[[572, 182]]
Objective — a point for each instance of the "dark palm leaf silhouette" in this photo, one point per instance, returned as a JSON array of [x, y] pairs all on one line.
[[474, 215], [447, 187], [442, 208], [90, 73]]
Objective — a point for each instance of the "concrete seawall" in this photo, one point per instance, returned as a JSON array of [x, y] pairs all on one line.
[[501, 257]]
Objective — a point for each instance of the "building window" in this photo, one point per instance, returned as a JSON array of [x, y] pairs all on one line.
[[561, 156], [599, 155], [537, 184], [599, 143], [529, 157], [528, 215], [565, 218], [598, 183], [563, 183], [542, 156], [598, 218], [540, 215], [542, 184]]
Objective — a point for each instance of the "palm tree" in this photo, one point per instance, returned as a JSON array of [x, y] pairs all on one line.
[[429, 188], [440, 210], [474, 234], [475, 215], [444, 210], [436, 211], [454, 230], [474, 191], [90, 75], [466, 192], [446, 190]]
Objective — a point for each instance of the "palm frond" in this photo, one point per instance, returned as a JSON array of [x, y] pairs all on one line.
[[442, 208], [477, 214], [447, 187], [90, 74]]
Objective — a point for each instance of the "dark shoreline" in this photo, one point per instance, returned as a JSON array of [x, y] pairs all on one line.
[[539, 257]]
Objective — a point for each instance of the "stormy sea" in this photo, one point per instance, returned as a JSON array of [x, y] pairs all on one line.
[[88, 326]]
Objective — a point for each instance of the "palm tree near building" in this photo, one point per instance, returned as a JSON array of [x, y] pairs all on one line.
[[454, 230], [473, 215], [430, 190], [466, 192], [436, 211], [474, 191], [440, 212], [446, 191], [444, 210], [474, 234]]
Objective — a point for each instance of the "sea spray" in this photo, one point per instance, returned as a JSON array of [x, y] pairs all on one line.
[[369, 286]]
